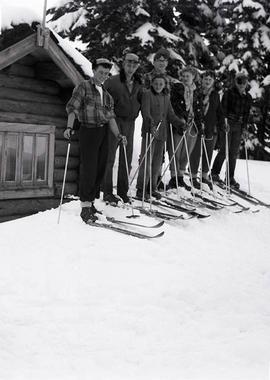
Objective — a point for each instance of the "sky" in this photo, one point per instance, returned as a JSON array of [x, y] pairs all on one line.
[[36, 5]]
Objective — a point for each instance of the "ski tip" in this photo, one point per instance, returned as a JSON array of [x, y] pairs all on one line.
[[158, 235]]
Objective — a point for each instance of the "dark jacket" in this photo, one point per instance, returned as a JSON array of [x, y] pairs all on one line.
[[236, 108], [214, 117], [157, 107], [126, 105], [179, 105]]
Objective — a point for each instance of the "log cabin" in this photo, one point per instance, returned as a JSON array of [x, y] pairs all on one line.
[[38, 72]]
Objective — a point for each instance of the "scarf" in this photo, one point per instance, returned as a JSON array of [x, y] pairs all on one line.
[[206, 95], [188, 96]]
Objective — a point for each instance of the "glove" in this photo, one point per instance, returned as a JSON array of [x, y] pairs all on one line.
[[245, 134], [226, 127], [68, 132], [122, 139]]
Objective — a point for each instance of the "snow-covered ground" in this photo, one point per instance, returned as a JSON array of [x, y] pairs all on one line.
[[84, 303]]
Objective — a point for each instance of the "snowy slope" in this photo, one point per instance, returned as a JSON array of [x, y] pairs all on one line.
[[83, 303]]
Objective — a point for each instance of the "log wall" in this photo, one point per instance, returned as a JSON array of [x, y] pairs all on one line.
[[26, 97]]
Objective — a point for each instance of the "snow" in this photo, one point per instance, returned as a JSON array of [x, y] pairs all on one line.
[[266, 80], [84, 303], [265, 32], [143, 33], [69, 21], [245, 26], [71, 51]]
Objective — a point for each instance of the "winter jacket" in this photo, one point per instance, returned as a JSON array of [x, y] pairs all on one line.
[[214, 117], [179, 105], [126, 104], [236, 108], [157, 107]]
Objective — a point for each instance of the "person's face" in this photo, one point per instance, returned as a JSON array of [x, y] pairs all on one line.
[[187, 78], [241, 84], [207, 81], [130, 66], [101, 74], [158, 84], [161, 64]]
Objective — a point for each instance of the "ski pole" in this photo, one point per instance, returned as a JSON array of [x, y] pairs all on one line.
[[246, 154], [145, 168], [174, 162], [129, 190], [170, 161], [201, 155], [228, 190], [64, 180], [146, 151], [165, 150], [208, 165], [189, 167], [150, 175]]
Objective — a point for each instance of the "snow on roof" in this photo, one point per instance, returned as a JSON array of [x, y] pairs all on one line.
[[70, 49], [143, 33], [12, 15]]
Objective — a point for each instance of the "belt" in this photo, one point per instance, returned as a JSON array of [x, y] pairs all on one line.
[[97, 125]]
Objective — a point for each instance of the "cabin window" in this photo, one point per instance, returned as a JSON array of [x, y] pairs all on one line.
[[26, 160]]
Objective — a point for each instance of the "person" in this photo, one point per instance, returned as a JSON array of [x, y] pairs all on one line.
[[126, 89], [160, 63], [157, 113], [186, 102], [264, 126], [93, 106], [236, 104], [213, 122]]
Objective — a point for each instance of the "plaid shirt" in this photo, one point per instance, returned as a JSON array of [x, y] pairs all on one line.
[[86, 104], [236, 108]]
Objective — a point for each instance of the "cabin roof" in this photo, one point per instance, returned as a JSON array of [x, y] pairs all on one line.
[[43, 45]]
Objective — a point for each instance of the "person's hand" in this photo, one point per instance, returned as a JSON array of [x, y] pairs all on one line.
[[122, 139], [226, 127], [245, 135], [68, 133]]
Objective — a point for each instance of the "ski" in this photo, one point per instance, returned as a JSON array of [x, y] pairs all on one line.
[[117, 221], [244, 195], [124, 231], [158, 214], [176, 205]]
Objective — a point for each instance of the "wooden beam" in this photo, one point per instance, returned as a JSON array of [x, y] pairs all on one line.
[[17, 51], [64, 63]]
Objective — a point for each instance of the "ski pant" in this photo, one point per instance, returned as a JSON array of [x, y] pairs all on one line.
[[234, 140], [93, 151], [181, 157], [126, 128], [155, 160], [196, 156]]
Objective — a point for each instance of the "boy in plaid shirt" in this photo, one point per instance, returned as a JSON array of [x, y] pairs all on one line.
[[93, 106]]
